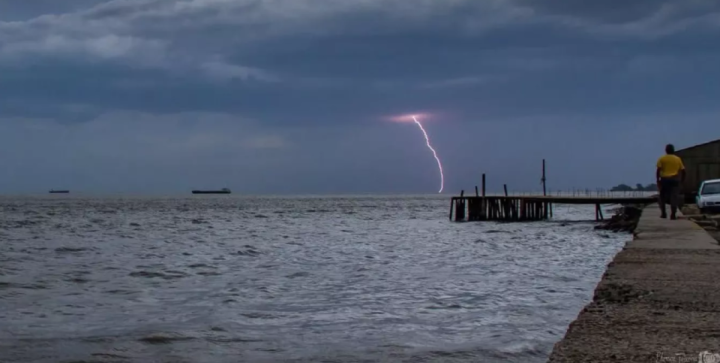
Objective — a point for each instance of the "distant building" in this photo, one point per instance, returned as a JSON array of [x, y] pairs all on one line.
[[702, 162]]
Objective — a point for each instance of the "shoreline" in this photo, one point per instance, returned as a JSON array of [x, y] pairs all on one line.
[[624, 219], [659, 298]]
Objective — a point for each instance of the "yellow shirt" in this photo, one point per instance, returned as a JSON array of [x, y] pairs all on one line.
[[670, 165]]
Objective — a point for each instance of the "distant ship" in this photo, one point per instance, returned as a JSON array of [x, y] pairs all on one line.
[[221, 191], [59, 191]]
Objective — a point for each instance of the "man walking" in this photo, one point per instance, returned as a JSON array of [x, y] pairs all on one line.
[[670, 173]]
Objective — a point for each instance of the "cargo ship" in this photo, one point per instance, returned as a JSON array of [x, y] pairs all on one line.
[[221, 191], [59, 191]]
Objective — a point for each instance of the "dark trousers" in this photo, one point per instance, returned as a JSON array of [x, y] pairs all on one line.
[[669, 188]]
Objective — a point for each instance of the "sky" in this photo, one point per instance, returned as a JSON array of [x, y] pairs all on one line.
[[294, 96]]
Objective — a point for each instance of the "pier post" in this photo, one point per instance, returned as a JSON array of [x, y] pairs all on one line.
[[551, 209], [598, 212], [470, 209], [460, 208], [483, 209], [483, 185], [543, 178]]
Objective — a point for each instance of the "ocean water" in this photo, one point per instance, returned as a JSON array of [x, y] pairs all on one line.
[[287, 279]]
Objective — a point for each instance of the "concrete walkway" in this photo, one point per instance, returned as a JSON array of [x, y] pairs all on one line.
[[659, 300], [654, 232]]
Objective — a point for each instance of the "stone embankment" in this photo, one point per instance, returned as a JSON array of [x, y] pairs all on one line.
[[624, 219], [658, 301]]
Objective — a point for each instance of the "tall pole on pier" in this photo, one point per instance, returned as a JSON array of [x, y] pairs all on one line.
[[483, 185], [547, 207], [543, 179]]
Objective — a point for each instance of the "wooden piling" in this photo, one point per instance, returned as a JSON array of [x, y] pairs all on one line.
[[543, 178], [460, 207], [597, 216], [483, 185], [551, 210], [460, 210], [598, 212]]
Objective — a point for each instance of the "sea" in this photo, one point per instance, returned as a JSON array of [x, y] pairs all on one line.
[[230, 278]]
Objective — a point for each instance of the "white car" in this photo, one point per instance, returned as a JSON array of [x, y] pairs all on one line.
[[708, 197]]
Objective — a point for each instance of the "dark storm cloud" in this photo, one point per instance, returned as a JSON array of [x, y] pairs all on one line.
[[266, 91], [621, 11], [612, 11], [23, 10]]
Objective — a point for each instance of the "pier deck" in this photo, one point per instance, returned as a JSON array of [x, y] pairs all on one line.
[[528, 208], [658, 301]]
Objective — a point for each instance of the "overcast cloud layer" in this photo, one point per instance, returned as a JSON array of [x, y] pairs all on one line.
[[291, 96]]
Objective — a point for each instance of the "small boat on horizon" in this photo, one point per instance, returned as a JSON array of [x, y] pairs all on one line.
[[221, 191], [53, 191]]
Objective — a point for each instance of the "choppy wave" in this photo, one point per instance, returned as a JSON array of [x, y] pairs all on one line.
[[336, 279]]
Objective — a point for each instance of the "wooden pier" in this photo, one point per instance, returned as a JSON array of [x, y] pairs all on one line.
[[527, 208], [514, 208]]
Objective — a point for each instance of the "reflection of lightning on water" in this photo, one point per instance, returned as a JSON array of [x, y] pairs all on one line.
[[427, 140]]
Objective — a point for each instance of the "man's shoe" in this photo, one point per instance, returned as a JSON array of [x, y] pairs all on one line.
[[663, 216], [673, 217]]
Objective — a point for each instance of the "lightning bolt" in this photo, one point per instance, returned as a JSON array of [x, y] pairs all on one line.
[[427, 140]]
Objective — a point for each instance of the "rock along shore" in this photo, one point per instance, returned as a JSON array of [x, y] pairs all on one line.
[[624, 219], [658, 301]]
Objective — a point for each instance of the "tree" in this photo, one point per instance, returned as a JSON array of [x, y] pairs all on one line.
[[621, 188], [638, 187]]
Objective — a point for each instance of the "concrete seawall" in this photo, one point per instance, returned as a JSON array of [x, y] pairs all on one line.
[[658, 301]]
